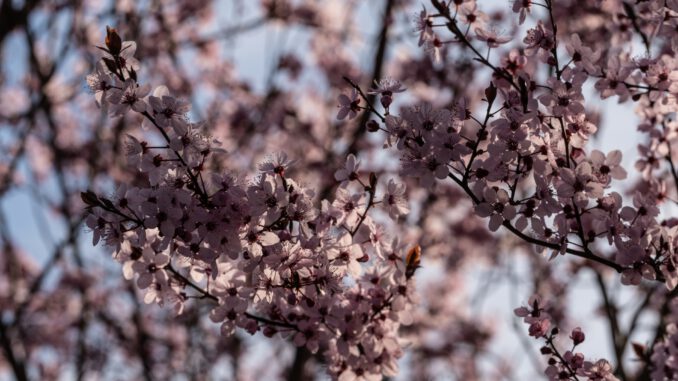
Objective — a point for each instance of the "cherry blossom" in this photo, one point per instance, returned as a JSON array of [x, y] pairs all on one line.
[[244, 206], [348, 106], [126, 96], [168, 111], [394, 199], [349, 172], [491, 37]]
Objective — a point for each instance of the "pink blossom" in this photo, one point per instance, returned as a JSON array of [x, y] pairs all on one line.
[[423, 25], [582, 56], [522, 7], [496, 206], [394, 200], [169, 111], [387, 87], [349, 172], [348, 106], [126, 96], [539, 327], [579, 184], [100, 82], [491, 37]]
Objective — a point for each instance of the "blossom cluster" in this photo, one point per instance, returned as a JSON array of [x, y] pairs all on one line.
[[264, 251], [271, 257], [524, 160], [566, 365]]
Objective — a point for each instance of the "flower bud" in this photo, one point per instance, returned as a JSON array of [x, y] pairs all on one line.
[[491, 93], [372, 126], [291, 299], [577, 336], [113, 41], [412, 261], [89, 198], [386, 100], [373, 180], [639, 350], [269, 331]]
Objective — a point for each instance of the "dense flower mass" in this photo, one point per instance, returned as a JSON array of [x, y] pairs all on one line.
[[523, 159], [268, 255], [279, 263]]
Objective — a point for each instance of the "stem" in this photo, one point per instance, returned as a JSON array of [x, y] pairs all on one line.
[[611, 312], [554, 29], [370, 107], [204, 198], [481, 137], [549, 342], [15, 361], [370, 203], [452, 27], [507, 224], [206, 294]]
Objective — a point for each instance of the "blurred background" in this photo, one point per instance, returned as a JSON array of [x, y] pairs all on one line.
[[264, 76]]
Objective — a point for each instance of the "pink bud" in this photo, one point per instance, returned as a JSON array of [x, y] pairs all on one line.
[[577, 336]]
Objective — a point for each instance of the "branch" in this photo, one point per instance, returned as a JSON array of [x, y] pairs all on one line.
[[611, 312], [15, 361], [377, 68], [507, 224]]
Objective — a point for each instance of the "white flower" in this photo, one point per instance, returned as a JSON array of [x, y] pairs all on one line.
[[491, 37], [169, 111], [276, 164], [387, 86], [348, 106], [129, 95], [99, 82], [394, 200], [349, 172], [345, 256], [496, 205], [423, 25], [150, 267], [126, 57], [579, 184], [349, 204]]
